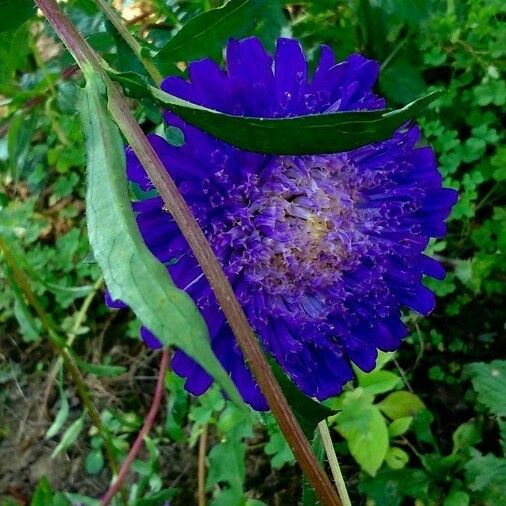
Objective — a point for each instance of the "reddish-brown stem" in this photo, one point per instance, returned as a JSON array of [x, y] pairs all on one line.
[[150, 419], [177, 207]]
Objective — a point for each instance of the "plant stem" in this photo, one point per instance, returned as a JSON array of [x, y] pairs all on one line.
[[117, 21], [202, 500], [334, 463], [56, 341], [148, 423], [177, 207]]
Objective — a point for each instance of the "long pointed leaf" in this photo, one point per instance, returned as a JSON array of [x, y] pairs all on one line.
[[131, 272], [323, 133]]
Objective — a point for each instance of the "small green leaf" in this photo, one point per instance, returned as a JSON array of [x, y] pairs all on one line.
[[489, 381], [69, 436], [457, 498], [101, 370], [94, 462], [466, 435], [396, 458], [317, 133], [14, 13], [401, 404], [279, 451], [131, 272], [161, 497], [207, 33], [378, 382], [364, 428], [60, 418], [399, 426]]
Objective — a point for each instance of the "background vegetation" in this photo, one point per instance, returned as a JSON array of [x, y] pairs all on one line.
[[427, 427]]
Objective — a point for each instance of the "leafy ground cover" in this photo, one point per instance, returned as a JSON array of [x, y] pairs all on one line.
[[427, 427]]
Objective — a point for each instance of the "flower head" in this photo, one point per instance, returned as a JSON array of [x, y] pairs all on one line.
[[322, 251]]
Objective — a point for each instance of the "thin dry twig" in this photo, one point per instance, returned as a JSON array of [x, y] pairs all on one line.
[[150, 419]]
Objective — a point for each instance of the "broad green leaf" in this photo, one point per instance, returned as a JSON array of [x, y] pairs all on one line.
[[69, 436], [378, 382], [401, 404], [400, 426], [316, 133], [207, 33], [101, 370], [489, 381], [131, 272], [364, 428], [15, 12]]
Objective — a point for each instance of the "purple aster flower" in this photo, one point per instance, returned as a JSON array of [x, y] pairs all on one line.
[[322, 251]]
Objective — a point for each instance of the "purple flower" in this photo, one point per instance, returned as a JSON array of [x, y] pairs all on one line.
[[323, 251]]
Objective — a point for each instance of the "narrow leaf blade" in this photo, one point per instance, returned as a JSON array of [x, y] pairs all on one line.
[[208, 32], [312, 134], [131, 272]]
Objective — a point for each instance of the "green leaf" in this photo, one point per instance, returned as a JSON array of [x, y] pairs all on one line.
[[400, 426], [101, 370], [396, 458], [323, 133], [401, 404], [69, 436], [466, 435], [489, 381], [226, 465], [390, 486], [61, 416], [316, 133], [487, 473], [14, 13], [457, 498], [161, 497], [80, 500], [378, 382], [43, 494], [131, 272], [309, 413], [279, 451], [364, 428], [207, 33], [94, 462]]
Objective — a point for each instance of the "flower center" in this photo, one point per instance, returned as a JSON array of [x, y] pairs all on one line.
[[304, 214]]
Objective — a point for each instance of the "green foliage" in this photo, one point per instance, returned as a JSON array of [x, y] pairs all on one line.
[[439, 442], [132, 273], [14, 13], [207, 33]]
